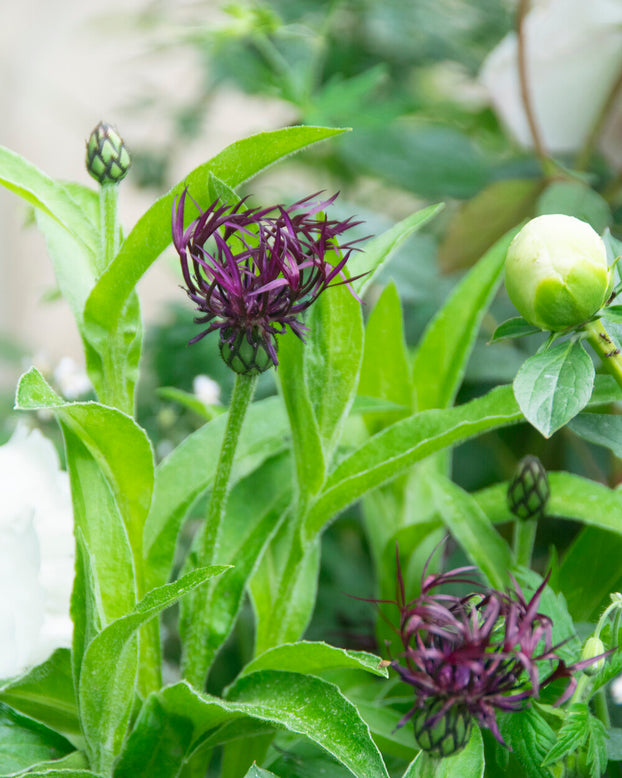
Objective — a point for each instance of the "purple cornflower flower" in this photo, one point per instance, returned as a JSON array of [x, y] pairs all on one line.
[[468, 657], [263, 269]]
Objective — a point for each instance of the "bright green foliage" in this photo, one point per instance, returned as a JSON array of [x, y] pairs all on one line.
[[468, 763], [110, 666], [24, 741], [443, 352], [46, 693], [554, 385], [300, 703]]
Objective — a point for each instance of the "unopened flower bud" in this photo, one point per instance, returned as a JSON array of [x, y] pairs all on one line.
[[593, 647], [556, 272], [448, 734], [529, 490], [245, 352], [107, 158]]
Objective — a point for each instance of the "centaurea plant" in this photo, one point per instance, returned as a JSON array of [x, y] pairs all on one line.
[[100, 709], [469, 657], [261, 271]]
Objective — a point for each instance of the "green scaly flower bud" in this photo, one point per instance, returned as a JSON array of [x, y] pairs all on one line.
[[529, 490], [446, 736], [593, 647], [556, 272], [107, 158], [246, 352]]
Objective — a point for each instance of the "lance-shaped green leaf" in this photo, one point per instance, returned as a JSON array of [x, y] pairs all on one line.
[[301, 704], [613, 313], [258, 772], [604, 429], [152, 233], [514, 328], [380, 250], [385, 372], [305, 431], [110, 666], [313, 658], [242, 544], [284, 587], [73, 764], [189, 470], [74, 265], [471, 528], [468, 763], [24, 742], [554, 385], [398, 447], [332, 360], [49, 196], [101, 531], [46, 694], [593, 558], [118, 445], [444, 349], [62, 773]]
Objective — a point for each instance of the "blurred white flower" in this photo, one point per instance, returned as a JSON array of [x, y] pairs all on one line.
[[573, 57], [72, 380], [36, 552], [206, 389], [616, 690]]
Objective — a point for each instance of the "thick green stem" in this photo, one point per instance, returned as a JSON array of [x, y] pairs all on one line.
[[524, 539], [602, 344], [195, 659]]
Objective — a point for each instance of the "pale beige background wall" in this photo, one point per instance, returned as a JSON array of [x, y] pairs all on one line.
[[64, 65]]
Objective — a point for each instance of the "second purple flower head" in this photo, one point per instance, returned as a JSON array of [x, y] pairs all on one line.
[[251, 273]]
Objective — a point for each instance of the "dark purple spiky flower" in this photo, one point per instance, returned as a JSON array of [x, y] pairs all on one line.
[[468, 657], [260, 270]]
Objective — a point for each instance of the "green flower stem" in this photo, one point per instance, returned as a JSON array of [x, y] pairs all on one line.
[[524, 539], [582, 692], [195, 662], [603, 345], [114, 392], [599, 700], [108, 198]]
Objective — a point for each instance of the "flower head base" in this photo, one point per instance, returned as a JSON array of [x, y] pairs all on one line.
[[107, 157], [529, 490], [468, 657], [261, 271]]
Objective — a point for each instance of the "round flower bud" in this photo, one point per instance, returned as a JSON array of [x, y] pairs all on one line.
[[529, 490], [107, 158], [593, 647], [448, 734], [245, 352], [556, 272]]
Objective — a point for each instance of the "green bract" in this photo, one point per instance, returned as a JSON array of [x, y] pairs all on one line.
[[556, 272]]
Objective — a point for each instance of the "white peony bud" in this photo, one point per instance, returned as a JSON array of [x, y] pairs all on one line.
[[556, 272]]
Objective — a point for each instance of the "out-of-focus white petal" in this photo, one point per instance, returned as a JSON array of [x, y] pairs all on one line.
[[36, 552], [206, 389], [616, 690], [72, 380], [574, 55]]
